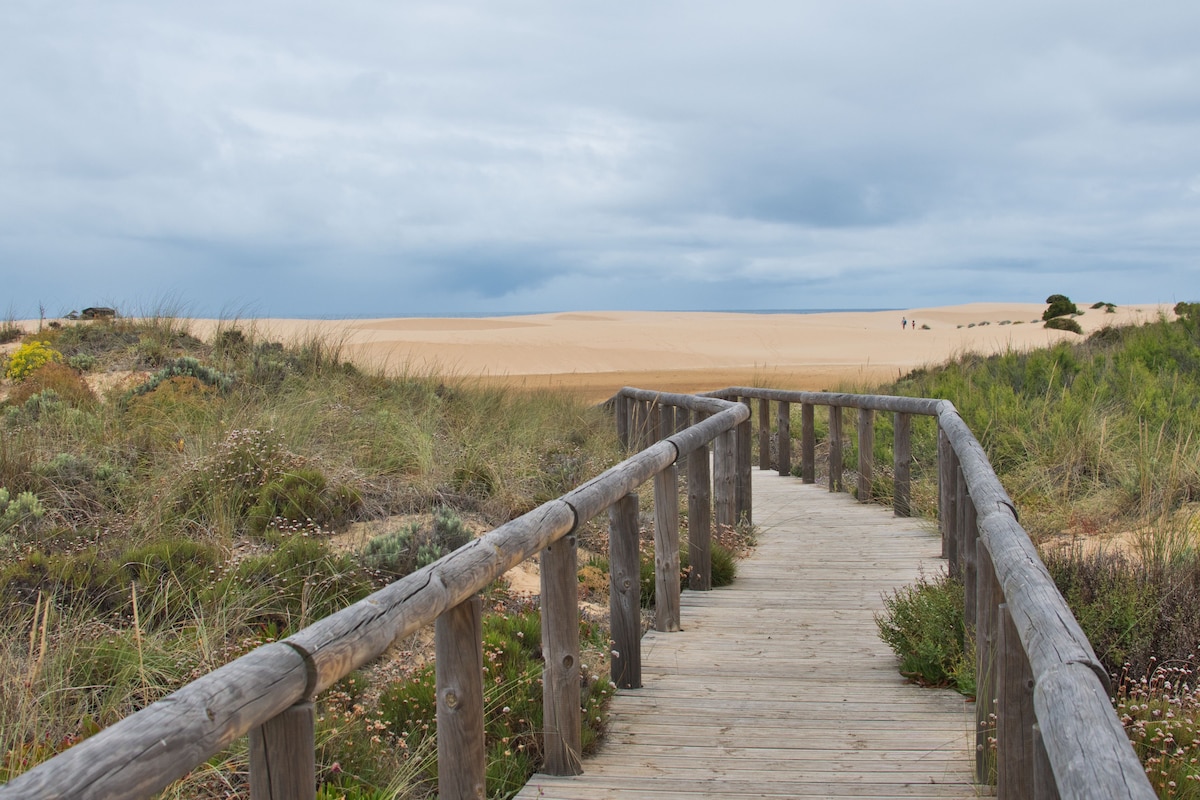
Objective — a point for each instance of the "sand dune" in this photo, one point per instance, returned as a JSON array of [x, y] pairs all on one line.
[[595, 353]]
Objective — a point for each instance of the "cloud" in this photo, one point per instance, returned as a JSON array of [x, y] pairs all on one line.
[[482, 157]]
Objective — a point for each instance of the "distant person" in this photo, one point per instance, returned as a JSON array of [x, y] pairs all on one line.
[[903, 322]]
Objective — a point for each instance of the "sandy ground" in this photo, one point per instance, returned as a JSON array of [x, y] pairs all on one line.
[[595, 353]]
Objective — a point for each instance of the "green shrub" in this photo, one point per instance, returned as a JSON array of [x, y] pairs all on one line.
[[923, 624], [1064, 324], [27, 358], [301, 499], [396, 554], [186, 367], [83, 362], [1059, 306], [24, 509]]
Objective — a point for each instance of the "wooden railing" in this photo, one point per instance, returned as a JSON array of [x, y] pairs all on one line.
[[268, 693], [1057, 733], [1042, 693]]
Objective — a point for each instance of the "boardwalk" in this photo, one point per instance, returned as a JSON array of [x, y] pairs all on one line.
[[779, 686]]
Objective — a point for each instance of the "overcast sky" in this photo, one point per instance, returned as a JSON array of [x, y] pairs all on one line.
[[372, 158]]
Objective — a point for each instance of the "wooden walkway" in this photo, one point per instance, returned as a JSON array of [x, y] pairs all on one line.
[[779, 685]]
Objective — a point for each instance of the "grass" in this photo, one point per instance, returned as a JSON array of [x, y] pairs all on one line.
[[193, 510], [1092, 440]]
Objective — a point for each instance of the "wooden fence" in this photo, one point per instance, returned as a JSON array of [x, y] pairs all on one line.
[[1057, 733]]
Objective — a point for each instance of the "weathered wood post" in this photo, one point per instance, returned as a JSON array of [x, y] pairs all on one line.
[[656, 422], [625, 593], [745, 449], [783, 436], [1044, 785], [666, 550], [835, 449], [947, 469], [724, 469], [1015, 715], [636, 421], [560, 648], [764, 434], [866, 453], [283, 756], [902, 465], [969, 532], [699, 520], [683, 420], [621, 412], [987, 619], [808, 444], [458, 649]]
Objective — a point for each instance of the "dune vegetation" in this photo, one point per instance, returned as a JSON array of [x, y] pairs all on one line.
[[168, 504], [1097, 444]]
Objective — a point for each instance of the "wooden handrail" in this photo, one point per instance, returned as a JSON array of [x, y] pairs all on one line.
[[1072, 745], [268, 692], [1058, 731]]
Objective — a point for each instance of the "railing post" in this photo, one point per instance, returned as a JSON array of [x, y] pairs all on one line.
[[742, 482], [724, 467], [699, 520], [866, 453], [968, 527], [283, 756], [808, 444], [560, 647], [835, 449], [458, 650], [987, 610], [625, 593], [764, 434], [1044, 785], [666, 550], [656, 422], [783, 437], [621, 412], [947, 492], [683, 420], [902, 465], [1015, 716]]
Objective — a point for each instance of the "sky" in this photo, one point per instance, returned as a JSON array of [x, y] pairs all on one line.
[[388, 158]]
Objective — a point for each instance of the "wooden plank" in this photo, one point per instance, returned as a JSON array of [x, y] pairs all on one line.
[[779, 686]]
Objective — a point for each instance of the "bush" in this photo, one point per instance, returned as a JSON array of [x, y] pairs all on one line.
[[23, 509], [186, 367], [923, 624], [27, 358], [1064, 324], [65, 382], [1059, 306], [302, 499], [394, 555]]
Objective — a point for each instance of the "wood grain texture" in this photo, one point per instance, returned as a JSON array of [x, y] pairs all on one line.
[[778, 686]]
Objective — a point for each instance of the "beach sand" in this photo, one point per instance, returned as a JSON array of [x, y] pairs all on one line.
[[593, 354]]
